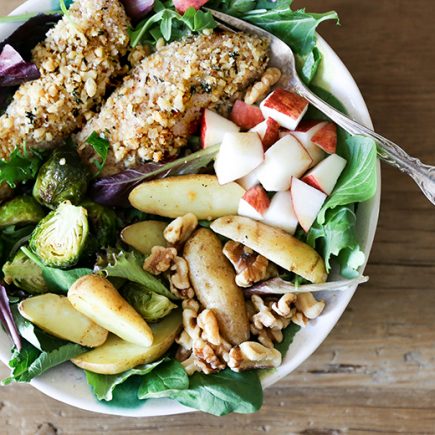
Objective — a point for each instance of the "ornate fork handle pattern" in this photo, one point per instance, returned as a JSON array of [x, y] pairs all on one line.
[[388, 151]]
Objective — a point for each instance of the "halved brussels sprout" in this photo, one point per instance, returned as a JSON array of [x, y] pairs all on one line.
[[103, 225], [62, 177], [59, 239], [24, 274], [19, 211], [148, 304]]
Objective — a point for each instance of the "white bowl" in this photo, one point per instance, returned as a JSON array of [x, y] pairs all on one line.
[[67, 383]]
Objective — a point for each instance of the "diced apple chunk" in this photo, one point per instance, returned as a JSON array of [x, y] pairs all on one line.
[[285, 159], [285, 107], [268, 130], [254, 203], [239, 154], [245, 115], [324, 176], [249, 180], [213, 128], [307, 202], [280, 213]]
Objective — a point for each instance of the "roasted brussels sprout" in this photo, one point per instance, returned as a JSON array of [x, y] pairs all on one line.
[[148, 304], [104, 226], [19, 211], [61, 236], [24, 274], [62, 177]]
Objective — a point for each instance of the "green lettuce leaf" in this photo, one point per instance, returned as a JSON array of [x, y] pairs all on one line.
[[128, 265], [336, 238], [289, 334], [358, 182], [104, 385], [310, 66]]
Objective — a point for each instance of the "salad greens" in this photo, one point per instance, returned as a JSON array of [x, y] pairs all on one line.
[[101, 147], [128, 265], [21, 166]]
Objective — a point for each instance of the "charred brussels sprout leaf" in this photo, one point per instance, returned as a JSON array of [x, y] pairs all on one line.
[[19, 211], [62, 177], [24, 274], [151, 306], [103, 226], [59, 239]]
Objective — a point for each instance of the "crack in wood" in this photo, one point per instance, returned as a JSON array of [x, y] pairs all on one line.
[[338, 368]]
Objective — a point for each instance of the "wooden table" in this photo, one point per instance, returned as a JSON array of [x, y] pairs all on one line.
[[376, 371]]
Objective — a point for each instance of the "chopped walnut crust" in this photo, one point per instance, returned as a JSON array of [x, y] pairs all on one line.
[[77, 63], [153, 113], [180, 229], [250, 266]]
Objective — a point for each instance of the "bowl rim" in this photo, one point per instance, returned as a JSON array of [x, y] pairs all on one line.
[[348, 92]]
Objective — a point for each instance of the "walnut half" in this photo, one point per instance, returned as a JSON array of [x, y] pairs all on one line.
[[250, 266], [252, 355]]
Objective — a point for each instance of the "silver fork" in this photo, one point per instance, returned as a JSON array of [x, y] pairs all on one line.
[[282, 57]]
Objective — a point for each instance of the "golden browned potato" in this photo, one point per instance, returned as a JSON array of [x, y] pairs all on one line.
[[144, 235], [199, 194], [96, 297], [213, 279], [274, 244], [117, 355], [55, 315]]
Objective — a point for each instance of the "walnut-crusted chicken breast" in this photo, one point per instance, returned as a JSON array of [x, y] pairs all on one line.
[[158, 106], [76, 61]]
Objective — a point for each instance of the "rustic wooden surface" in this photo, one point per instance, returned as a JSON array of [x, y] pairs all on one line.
[[376, 371]]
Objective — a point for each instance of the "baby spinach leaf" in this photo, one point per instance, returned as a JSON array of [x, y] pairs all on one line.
[[289, 334], [128, 265], [104, 385], [58, 280], [169, 376], [218, 394], [336, 238], [358, 181]]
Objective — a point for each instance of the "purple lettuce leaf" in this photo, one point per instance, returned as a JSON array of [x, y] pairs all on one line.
[[114, 190], [24, 40], [14, 70], [137, 9], [7, 319]]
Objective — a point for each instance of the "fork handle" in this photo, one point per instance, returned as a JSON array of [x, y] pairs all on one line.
[[389, 152]]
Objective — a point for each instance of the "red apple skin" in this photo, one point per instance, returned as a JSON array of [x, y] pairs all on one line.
[[257, 197], [307, 125], [271, 135], [326, 138], [245, 115], [203, 129], [183, 5], [286, 102], [312, 181]]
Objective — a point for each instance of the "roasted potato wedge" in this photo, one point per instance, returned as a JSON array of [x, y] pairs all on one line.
[[144, 235], [201, 195], [117, 355], [276, 245], [213, 279], [55, 315], [96, 297]]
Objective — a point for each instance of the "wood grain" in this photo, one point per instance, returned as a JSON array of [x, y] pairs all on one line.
[[375, 372]]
